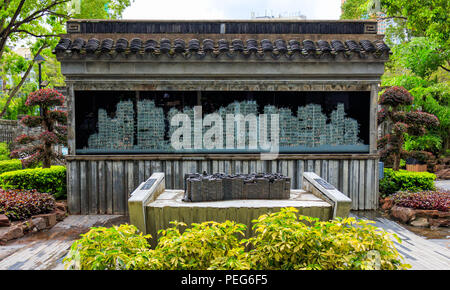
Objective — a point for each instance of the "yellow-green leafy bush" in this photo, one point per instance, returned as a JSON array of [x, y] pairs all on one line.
[[286, 241], [281, 241]]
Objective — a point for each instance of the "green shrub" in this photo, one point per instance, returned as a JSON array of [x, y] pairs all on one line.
[[50, 180], [118, 247], [4, 149], [10, 165], [20, 205], [402, 180], [281, 241]]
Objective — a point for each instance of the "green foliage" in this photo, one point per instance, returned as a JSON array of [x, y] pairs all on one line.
[[118, 247], [421, 55], [4, 151], [429, 142], [99, 9], [402, 180], [10, 165], [284, 241], [50, 180], [37, 25], [281, 241], [199, 247], [20, 205]]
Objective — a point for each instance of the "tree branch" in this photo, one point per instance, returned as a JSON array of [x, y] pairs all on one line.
[[19, 85], [443, 67], [32, 34]]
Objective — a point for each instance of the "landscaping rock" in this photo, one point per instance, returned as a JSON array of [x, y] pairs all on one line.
[[13, 232], [61, 206], [439, 222], [49, 218], [39, 223], [387, 204], [60, 214], [4, 221], [404, 214], [420, 222]]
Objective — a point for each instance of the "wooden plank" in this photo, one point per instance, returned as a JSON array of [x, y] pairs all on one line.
[[215, 166], [109, 187], [130, 175], [147, 169], [227, 166], [101, 187], [345, 178], [324, 170], [252, 166], [354, 183], [119, 188], [245, 167], [168, 174], [291, 173], [73, 197], [93, 188], [310, 166], [317, 167], [141, 171], [333, 172], [300, 169], [84, 194], [178, 178], [237, 166], [368, 202], [361, 183]]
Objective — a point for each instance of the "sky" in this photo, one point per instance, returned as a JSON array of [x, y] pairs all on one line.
[[231, 9]]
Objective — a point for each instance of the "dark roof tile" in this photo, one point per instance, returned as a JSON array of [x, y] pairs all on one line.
[[337, 45], [208, 45]]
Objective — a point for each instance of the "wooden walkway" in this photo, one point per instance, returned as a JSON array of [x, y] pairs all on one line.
[[420, 253], [45, 250]]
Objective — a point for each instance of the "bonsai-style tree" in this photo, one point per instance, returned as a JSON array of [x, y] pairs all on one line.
[[39, 147], [395, 102]]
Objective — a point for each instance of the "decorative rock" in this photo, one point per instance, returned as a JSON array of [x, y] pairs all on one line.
[[4, 221], [404, 214], [387, 204], [439, 222], [60, 215], [39, 223], [61, 206], [11, 233], [49, 218], [420, 222]]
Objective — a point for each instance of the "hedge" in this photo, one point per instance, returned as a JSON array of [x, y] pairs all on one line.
[[10, 165], [49, 180], [403, 180]]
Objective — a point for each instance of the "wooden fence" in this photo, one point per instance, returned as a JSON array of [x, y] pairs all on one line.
[[102, 184]]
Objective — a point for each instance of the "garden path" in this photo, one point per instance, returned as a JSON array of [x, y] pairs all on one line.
[[45, 250], [420, 253]]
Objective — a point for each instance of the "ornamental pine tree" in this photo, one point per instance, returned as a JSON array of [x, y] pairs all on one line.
[[39, 147], [395, 102]]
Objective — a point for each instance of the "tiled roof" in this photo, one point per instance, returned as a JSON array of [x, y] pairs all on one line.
[[232, 48]]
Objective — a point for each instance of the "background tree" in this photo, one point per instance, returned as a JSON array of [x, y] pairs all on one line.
[[395, 102], [39, 147], [36, 25]]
